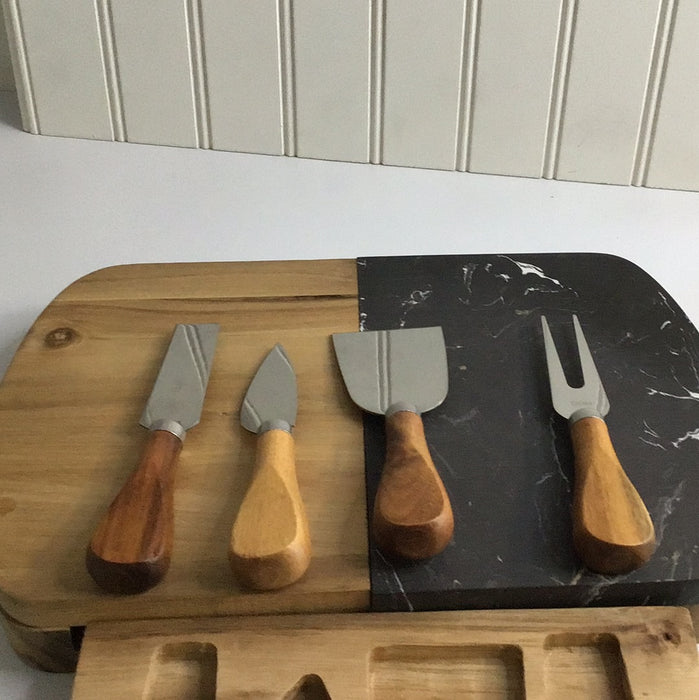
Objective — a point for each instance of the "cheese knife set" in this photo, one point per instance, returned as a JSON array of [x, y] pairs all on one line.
[[387, 434], [399, 374]]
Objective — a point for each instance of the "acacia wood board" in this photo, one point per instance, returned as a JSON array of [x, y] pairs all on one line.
[[69, 437], [578, 654]]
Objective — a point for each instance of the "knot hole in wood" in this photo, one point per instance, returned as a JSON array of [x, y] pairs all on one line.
[[61, 337]]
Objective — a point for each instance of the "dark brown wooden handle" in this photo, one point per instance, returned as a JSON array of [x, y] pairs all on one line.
[[270, 542], [130, 550], [612, 530], [412, 516]]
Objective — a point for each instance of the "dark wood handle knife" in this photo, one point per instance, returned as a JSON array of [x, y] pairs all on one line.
[[131, 547]]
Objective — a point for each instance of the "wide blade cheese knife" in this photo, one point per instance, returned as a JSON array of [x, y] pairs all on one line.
[[612, 530], [401, 374], [131, 548], [270, 543]]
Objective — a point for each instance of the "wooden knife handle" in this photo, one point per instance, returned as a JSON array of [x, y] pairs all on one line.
[[130, 550], [412, 516], [612, 530], [270, 543]]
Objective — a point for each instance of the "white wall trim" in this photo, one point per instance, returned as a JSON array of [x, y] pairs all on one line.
[[582, 90]]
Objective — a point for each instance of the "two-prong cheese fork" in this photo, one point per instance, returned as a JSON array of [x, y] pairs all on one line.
[[612, 530]]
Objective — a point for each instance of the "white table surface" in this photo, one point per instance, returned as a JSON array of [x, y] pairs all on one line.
[[70, 206]]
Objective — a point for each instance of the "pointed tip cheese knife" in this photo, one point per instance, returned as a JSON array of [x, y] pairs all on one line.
[[612, 530], [270, 543], [401, 374], [131, 548]]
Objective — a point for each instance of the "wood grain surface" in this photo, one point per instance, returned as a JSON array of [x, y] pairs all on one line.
[[412, 516], [603, 653], [69, 438], [270, 543], [612, 529], [131, 549]]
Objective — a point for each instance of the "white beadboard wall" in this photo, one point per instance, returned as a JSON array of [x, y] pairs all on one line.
[[6, 79], [584, 90]]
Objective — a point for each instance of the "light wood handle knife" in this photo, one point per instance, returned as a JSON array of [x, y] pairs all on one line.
[[270, 543]]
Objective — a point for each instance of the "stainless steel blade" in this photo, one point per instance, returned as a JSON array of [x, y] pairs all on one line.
[[178, 393], [574, 403], [388, 371], [271, 399]]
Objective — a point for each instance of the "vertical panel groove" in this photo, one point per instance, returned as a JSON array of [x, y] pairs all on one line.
[[197, 62], [559, 86], [27, 101], [286, 75], [376, 76], [656, 79], [105, 32], [468, 75], [575, 137]]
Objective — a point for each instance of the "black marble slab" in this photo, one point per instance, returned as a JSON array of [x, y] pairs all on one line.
[[505, 456]]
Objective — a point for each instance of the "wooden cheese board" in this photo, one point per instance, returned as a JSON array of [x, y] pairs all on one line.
[[70, 405], [605, 654], [69, 437]]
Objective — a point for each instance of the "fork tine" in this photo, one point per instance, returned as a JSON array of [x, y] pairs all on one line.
[[574, 403], [562, 394], [557, 376], [587, 364]]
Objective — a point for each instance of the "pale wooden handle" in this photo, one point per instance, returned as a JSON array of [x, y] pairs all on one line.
[[131, 548], [412, 516], [612, 530], [270, 543]]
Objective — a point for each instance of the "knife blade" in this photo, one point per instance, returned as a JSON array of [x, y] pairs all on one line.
[[131, 548], [270, 544], [612, 530]]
